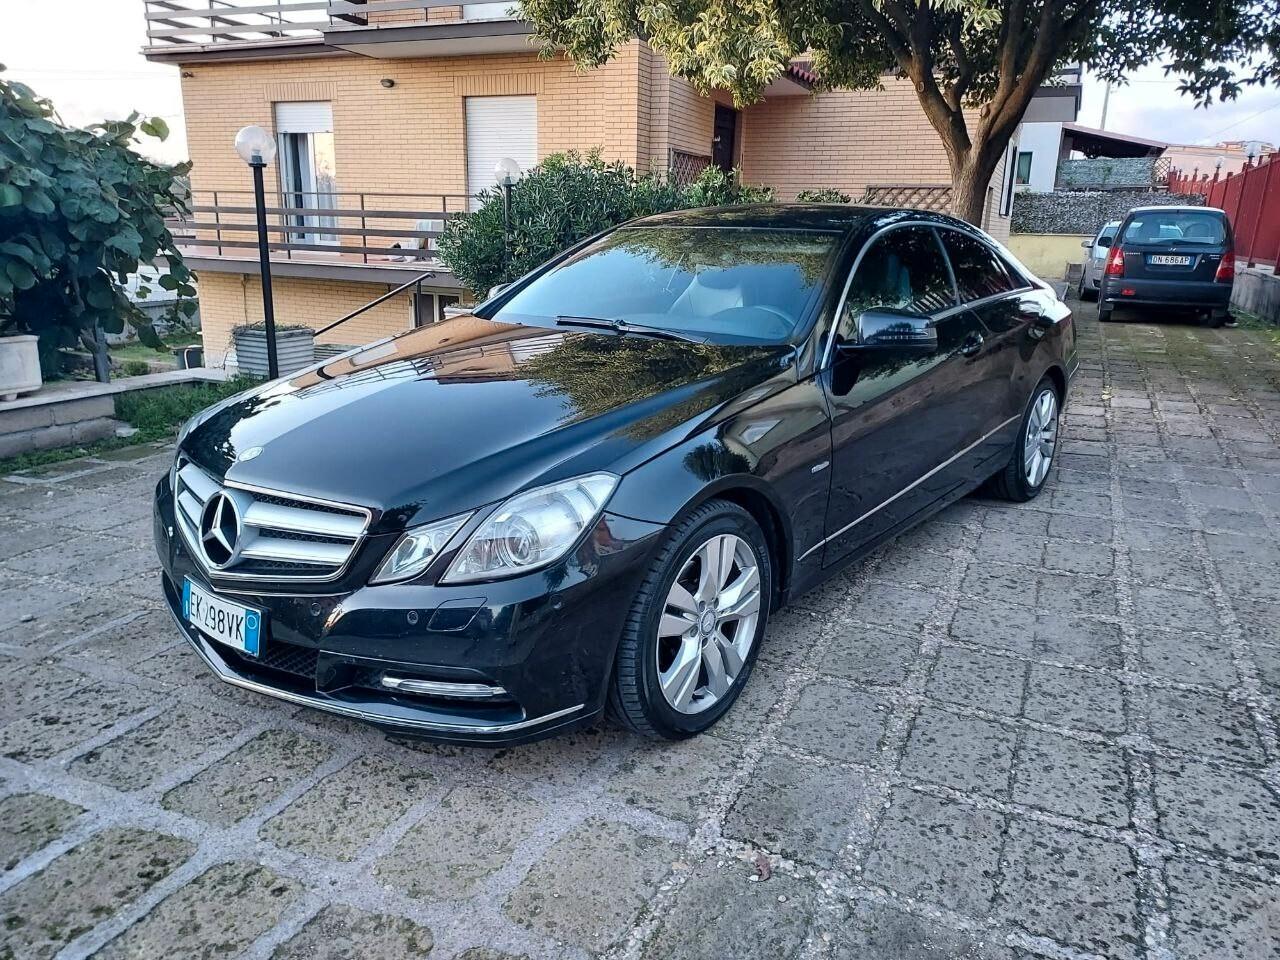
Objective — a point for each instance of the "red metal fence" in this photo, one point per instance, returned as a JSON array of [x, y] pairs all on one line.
[[1252, 201]]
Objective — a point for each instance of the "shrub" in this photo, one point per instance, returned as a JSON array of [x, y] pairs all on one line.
[[564, 199], [823, 195], [158, 413], [135, 368]]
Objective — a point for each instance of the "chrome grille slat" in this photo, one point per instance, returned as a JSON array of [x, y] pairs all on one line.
[[282, 537], [276, 517]]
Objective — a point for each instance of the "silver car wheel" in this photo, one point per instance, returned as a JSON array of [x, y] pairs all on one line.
[[1041, 438], [708, 623]]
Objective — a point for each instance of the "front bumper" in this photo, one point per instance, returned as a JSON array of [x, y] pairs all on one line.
[[544, 641], [1198, 294]]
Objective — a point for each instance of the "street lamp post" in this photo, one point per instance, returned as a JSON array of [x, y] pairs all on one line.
[[257, 148], [506, 172]]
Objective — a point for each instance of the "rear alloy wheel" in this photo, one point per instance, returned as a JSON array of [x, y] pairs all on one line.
[[692, 636], [1028, 469]]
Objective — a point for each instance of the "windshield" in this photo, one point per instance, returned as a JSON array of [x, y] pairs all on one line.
[[718, 283], [1175, 226]]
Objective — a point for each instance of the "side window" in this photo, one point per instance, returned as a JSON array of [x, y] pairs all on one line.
[[903, 270], [979, 272]]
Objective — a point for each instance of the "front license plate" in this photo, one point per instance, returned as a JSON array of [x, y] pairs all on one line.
[[234, 624], [1170, 260]]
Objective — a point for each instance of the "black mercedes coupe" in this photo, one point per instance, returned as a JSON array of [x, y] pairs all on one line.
[[588, 495]]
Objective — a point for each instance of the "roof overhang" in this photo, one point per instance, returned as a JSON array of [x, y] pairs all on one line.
[[1105, 143], [795, 81], [240, 52], [445, 39]]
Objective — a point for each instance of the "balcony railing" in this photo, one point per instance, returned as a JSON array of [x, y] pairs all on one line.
[[386, 229], [201, 23]]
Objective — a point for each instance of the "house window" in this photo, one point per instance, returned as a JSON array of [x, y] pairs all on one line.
[[499, 127], [1024, 168], [307, 170]]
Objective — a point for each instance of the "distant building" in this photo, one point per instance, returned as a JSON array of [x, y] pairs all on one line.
[[1191, 158]]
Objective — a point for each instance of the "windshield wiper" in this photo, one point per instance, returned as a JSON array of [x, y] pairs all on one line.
[[623, 326]]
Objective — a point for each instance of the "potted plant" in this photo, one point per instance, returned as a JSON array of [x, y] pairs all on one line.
[[295, 348], [19, 366]]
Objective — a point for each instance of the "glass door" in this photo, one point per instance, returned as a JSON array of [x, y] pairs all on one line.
[[308, 179]]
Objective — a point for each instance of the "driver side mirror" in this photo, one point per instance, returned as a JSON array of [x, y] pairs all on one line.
[[496, 289], [1105, 241], [896, 330]]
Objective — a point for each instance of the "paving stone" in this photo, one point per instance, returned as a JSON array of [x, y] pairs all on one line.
[[899, 609], [134, 760], [1059, 595], [223, 910], [787, 808], [1073, 500], [20, 604], [1153, 536], [940, 851], [1237, 546], [1075, 698], [83, 887], [71, 617], [19, 537], [1004, 546], [1203, 723], [720, 912], [1175, 610], [341, 814], [1158, 569], [755, 705], [339, 932], [877, 931], [485, 953], [29, 690], [1245, 581], [1073, 888], [1089, 558], [1088, 781], [967, 753], [841, 723], [1085, 529], [1076, 640], [1259, 620], [255, 773], [677, 780], [86, 712], [981, 681], [449, 852], [935, 534], [29, 822], [589, 887], [1189, 657], [1219, 809], [868, 656], [1222, 915], [929, 570]]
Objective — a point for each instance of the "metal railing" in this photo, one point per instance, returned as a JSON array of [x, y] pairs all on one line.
[[183, 23], [388, 227]]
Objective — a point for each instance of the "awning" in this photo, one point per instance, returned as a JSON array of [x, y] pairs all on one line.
[[1106, 143]]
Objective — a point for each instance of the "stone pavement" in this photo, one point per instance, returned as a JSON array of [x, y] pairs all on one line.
[[1040, 731]]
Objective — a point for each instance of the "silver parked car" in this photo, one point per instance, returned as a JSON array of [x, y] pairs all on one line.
[[1095, 260]]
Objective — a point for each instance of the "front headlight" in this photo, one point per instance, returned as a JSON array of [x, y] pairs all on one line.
[[532, 529], [414, 551]]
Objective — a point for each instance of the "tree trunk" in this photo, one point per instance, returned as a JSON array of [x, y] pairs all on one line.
[[101, 359], [968, 194]]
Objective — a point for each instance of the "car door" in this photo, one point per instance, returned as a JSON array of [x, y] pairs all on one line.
[[1008, 306], [897, 416]]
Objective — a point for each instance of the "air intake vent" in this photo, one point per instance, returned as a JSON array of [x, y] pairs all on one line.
[[242, 533]]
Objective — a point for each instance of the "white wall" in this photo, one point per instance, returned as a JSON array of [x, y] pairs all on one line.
[[1043, 140]]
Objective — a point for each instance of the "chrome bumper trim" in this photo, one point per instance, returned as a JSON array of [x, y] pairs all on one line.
[[329, 706], [438, 688]]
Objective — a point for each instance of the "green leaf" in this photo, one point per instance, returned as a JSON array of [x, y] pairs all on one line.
[[149, 337], [10, 196], [156, 127], [168, 281], [20, 275]]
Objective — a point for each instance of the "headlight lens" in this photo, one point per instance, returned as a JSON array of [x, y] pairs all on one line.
[[414, 551], [532, 529]]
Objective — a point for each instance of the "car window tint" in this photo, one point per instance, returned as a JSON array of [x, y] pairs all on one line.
[[979, 272], [903, 270], [1175, 226]]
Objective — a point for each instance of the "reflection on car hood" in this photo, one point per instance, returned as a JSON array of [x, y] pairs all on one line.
[[458, 414]]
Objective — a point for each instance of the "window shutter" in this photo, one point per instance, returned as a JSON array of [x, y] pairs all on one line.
[[304, 117], [499, 127]]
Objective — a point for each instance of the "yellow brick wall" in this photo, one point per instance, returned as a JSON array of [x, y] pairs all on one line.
[[228, 300]]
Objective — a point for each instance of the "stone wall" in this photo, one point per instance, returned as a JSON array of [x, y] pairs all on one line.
[[1083, 212], [1107, 173]]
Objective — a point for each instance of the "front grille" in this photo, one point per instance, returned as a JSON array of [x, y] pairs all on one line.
[[286, 658], [278, 536]]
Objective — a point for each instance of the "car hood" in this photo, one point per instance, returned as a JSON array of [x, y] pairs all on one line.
[[449, 417]]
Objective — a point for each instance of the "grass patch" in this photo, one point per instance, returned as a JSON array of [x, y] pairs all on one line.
[[136, 350], [1251, 321], [156, 414]]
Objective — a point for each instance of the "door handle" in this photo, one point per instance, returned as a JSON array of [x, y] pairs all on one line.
[[972, 345]]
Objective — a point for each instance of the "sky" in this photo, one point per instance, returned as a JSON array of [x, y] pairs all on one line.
[[84, 55]]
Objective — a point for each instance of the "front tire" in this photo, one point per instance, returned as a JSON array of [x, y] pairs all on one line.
[[693, 632], [1025, 475]]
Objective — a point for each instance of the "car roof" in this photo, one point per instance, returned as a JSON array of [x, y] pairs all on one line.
[[1180, 208], [842, 217]]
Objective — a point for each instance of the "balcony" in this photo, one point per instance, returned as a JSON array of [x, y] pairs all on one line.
[[373, 237], [187, 30]]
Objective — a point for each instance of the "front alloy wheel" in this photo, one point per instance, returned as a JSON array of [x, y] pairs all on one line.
[[692, 635], [708, 624]]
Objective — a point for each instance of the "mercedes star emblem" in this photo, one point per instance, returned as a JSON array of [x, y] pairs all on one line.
[[220, 530]]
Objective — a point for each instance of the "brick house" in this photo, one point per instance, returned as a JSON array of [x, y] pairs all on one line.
[[390, 113]]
